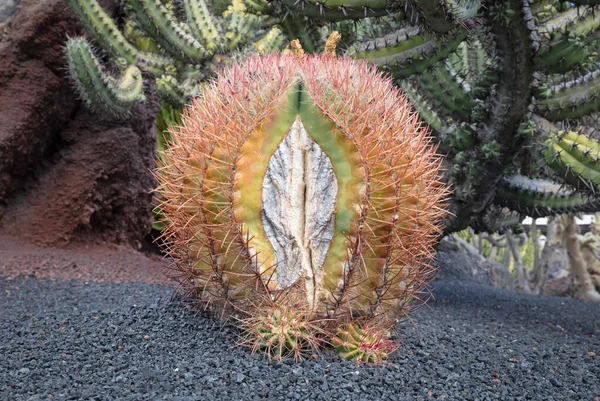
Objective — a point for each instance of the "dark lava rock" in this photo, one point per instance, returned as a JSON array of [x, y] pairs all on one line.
[[77, 341], [65, 172]]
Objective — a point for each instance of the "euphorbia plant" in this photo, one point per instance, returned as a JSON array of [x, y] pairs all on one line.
[[301, 195]]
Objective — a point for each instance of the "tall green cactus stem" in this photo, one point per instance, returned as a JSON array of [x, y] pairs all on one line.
[[171, 91], [425, 110], [271, 42], [446, 90], [442, 17], [116, 95], [572, 99], [566, 48], [406, 51], [336, 10], [179, 54], [161, 24], [204, 26], [241, 25], [103, 29]]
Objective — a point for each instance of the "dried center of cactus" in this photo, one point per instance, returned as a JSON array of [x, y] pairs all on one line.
[[299, 197]]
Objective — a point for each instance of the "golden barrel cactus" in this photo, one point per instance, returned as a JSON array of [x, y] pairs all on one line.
[[300, 195]]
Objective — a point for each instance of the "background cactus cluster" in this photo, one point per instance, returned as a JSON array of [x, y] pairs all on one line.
[[499, 83], [509, 89]]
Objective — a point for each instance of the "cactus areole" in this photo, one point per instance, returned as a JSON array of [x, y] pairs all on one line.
[[304, 180]]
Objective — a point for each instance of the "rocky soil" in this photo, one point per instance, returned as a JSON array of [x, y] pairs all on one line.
[[85, 324], [65, 173]]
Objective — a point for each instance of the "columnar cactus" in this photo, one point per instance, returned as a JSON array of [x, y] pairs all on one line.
[[494, 80], [303, 181], [179, 54], [499, 81]]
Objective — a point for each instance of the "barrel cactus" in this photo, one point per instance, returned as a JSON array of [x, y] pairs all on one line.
[[306, 188]]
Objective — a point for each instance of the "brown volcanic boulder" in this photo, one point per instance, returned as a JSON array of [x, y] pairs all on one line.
[[66, 173]]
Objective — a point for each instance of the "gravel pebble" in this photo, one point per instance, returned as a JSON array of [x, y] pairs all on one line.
[[97, 341]]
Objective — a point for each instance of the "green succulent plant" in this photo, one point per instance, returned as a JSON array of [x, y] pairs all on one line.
[[154, 41]]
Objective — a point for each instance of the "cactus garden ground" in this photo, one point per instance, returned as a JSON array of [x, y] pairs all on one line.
[[98, 323]]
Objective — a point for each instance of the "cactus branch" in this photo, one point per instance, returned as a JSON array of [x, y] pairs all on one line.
[[99, 90]]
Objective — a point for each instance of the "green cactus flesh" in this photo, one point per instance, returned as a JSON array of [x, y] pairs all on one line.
[[161, 24], [203, 24], [576, 159], [169, 89], [425, 110], [444, 88], [536, 198], [579, 98], [103, 29], [100, 90], [406, 51]]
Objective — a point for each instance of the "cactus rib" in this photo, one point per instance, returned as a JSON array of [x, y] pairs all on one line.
[[103, 29], [205, 27], [99, 90], [578, 98], [538, 197], [406, 51], [338, 10], [162, 25]]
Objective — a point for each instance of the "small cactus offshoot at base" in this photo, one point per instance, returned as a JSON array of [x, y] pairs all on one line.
[[282, 331], [363, 344]]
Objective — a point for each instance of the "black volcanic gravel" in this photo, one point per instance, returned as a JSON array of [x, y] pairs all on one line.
[[77, 341]]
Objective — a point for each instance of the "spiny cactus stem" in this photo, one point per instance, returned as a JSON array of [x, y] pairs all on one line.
[[100, 90], [337, 10], [509, 106], [166, 30], [103, 29], [205, 27]]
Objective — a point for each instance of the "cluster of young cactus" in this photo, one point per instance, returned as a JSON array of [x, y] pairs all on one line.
[[509, 89], [178, 54]]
